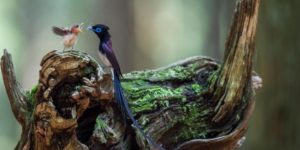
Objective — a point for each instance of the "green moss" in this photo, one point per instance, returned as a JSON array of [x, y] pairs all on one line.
[[213, 76], [103, 127], [143, 92], [149, 97], [197, 88], [197, 127], [88, 70], [103, 131], [172, 73], [31, 100], [191, 133], [30, 95], [143, 120], [134, 85], [143, 96], [161, 89], [146, 96], [78, 87], [178, 72], [100, 124], [194, 111]]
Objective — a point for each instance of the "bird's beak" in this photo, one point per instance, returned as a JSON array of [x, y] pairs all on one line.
[[80, 27], [78, 30], [90, 28]]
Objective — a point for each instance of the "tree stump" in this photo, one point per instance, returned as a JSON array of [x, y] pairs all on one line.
[[196, 103]]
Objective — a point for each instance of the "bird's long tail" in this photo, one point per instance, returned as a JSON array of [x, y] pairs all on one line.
[[123, 103]]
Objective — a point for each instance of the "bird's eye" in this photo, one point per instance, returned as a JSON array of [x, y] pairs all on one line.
[[98, 30]]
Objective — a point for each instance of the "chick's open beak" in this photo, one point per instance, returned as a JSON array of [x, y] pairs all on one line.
[[78, 30]]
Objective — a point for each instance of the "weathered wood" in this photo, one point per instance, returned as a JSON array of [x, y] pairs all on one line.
[[236, 72], [196, 103], [70, 84], [16, 94], [171, 103]]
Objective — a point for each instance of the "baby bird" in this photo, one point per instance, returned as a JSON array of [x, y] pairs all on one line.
[[69, 34]]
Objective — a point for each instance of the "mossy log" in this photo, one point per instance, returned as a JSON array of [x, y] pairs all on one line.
[[197, 103]]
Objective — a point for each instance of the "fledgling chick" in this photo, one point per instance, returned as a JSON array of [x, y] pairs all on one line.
[[69, 34]]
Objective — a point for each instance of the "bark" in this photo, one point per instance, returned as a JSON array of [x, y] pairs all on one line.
[[15, 93], [235, 75], [196, 103]]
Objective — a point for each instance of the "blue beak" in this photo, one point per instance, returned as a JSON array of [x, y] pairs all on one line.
[[90, 28]]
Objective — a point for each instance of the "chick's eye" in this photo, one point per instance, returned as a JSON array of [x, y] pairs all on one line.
[[98, 30]]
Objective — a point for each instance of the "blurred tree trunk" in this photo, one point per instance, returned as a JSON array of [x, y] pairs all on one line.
[[213, 36], [118, 16], [276, 124], [11, 37], [175, 28]]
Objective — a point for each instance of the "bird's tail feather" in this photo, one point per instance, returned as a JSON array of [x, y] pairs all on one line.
[[123, 103]]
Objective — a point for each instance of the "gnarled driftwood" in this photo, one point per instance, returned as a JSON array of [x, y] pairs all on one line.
[[196, 103]]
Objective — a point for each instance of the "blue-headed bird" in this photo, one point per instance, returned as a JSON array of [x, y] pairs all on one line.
[[109, 58]]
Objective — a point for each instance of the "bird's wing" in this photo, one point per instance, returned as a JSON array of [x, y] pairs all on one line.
[[108, 50], [60, 31]]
